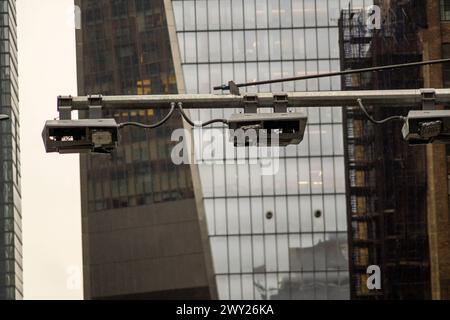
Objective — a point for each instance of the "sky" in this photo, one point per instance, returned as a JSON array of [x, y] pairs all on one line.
[[50, 182]]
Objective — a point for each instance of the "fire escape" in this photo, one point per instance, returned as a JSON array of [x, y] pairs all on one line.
[[386, 180]]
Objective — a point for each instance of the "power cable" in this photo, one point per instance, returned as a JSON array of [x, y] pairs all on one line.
[[393, 118], [168, 116], [204, 124], [150, 126]]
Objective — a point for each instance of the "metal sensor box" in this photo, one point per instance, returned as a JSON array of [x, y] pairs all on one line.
[[267, 129], [81, 136], [428, 126]]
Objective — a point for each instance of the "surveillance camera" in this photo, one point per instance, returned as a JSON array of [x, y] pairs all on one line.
[[80, 136], [267, 129], [424, 127]]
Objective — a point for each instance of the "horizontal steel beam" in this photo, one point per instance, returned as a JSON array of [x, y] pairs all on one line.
[[382, 98]]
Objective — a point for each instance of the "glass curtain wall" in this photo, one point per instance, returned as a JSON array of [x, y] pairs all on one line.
[[281, 236], [10, 190]]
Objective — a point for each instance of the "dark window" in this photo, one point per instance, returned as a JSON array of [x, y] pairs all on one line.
[[445, 10], [446, 66]]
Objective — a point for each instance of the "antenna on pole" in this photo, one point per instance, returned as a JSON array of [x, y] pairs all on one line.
[[234, 88]]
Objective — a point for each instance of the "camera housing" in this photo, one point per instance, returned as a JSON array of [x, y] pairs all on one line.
[[81, 136], [267, 129], [427, 126]]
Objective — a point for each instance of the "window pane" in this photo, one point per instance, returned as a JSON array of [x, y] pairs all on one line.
[[274, 14], [234, 254], [311, 40], [225, 14], [297, 13], [286, 41], [275, 44], [285, 13], [238, 46], [214, 46], [203, 78], [227, 48], [271, 254], [322, 12], [310, 13], [190, 78], [220, 254], [261, 13], [249, 13], [263, 45], [190, 47], [202, 42], [246, 254], [445, 55], [189, 15], [223, 287], [237, 12], [202, 16], [232, 216], [250, 45], [445, 10], [213, 14]]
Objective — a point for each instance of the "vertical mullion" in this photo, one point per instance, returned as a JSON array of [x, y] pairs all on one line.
[[224, 165], [296, 160], [235, 163]]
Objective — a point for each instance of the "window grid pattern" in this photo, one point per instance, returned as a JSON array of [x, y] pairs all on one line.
[[280, 236], [126, 51], [11, 274], [445, 10]]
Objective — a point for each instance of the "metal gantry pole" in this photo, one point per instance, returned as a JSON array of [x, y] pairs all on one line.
[[379, 98]]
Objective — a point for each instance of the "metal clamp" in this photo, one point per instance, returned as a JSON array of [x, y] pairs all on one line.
[[95, 106], [234, 89], [280, 102], [65, 107], [428, 99], [251, 103]]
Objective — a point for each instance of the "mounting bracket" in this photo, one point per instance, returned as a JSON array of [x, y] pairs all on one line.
[[234, 89], [428, 99], [65, 107], [95, 106], [251, 103], [280, 102]]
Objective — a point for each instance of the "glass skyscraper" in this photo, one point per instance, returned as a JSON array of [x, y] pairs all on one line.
[[10, 190], [141, 233], [281, 236]]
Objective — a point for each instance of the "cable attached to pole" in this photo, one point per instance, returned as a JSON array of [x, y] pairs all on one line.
[[393, 118], [150, 126], [174, 106], [193, 124], [184, 115]]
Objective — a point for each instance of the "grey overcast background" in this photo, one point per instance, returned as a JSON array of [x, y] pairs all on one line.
[[50, 183]]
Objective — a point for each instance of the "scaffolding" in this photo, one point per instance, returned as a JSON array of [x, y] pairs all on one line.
[[386, 181]]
